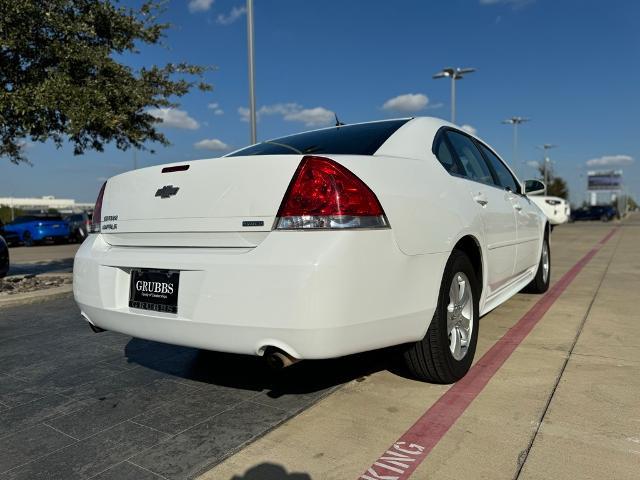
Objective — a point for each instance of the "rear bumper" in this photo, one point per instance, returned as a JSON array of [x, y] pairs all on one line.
[[312, 294]]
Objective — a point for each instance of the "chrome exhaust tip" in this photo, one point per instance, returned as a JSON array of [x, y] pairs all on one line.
[[96, 329], [91, 325], [279, 359]]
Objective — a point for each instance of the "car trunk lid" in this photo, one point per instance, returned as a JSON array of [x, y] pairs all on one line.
[[227, 201]]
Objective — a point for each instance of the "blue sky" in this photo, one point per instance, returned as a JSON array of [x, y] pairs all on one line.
[[572, 66]]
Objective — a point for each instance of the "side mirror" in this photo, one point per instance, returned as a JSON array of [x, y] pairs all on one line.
[[534, 187]]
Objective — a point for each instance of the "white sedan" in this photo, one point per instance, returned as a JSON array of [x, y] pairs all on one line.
[[318, 245], [556, 209]]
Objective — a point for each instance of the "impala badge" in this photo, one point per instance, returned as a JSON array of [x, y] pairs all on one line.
[[167, 191]]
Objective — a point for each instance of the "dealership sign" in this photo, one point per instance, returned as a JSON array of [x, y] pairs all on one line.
[[605, 180]]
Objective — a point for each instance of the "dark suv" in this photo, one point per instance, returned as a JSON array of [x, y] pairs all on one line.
[[604, 213], [78, 226]]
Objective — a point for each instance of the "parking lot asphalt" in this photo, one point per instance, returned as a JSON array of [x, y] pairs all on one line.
[[74, 404], [42, 259], [79, 405]]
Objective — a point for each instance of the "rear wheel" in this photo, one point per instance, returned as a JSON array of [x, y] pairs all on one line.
[[27, 240], [445, 354], [540, 282]]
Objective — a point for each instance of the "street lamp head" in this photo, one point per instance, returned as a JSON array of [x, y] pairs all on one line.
[[516, 120], [455, 73], [547, 146]]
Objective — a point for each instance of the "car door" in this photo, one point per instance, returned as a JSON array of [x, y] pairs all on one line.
[[495, 207], [527, 215]]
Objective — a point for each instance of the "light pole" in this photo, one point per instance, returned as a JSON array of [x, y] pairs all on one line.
[[252, 91], [545, 148], [454, 74], [515, 121]]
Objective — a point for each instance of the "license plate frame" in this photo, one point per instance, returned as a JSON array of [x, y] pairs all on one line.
[[154, 289]]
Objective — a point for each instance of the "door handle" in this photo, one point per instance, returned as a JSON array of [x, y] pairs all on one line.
[[481, 199]]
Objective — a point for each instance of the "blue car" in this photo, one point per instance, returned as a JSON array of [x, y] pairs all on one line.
[[31, 229]]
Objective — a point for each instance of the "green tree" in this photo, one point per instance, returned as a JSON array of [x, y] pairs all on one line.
[[6, 215], [556, 186], [62, 78]]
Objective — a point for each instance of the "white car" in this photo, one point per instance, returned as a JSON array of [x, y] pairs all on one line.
[[556, 209], [318, 245]]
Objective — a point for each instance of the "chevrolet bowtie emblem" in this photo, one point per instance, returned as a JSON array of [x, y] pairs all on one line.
[[167, 191]]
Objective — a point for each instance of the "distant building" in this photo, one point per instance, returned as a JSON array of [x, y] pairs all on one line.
[[44, 203]]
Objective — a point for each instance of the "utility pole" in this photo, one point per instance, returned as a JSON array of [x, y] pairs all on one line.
[[454, 74], [515, 121], [545, 148], [252, 87]]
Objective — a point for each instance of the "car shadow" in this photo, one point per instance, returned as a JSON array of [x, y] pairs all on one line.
[[64, 265], [253, 373], [270, 471]]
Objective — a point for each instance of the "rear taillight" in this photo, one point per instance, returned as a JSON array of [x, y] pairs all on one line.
[[97, 211], [324, 194]]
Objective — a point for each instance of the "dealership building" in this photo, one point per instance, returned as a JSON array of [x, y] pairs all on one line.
[[47, 202]]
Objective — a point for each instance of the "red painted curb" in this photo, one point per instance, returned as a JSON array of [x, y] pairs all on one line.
[[407, 453]]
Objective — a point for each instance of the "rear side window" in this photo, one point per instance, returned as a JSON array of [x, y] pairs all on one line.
[[474, 165], [505, 178], [362, 139], [446, 158]]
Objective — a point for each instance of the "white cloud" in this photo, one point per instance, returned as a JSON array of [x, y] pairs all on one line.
[[292, 112], [469, 129], [513, 3], [610, 161], [211, 144], [232, 16], [172, 117], [312, 117], [199, 5], [216, 108], [244, 113], [409, 102], [533, 164]]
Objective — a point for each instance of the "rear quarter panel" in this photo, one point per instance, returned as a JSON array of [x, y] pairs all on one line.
[[428, 209]]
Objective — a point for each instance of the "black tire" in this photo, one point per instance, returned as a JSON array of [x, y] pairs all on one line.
[[540, 283], [27, 240], [431, 359]]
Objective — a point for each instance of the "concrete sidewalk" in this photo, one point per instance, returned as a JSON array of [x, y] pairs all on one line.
[[591, 429], [551, 411]]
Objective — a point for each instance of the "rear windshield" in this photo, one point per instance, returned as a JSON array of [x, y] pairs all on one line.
[[362, 139]]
